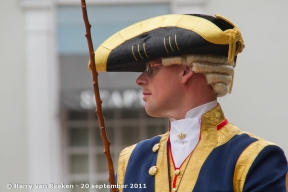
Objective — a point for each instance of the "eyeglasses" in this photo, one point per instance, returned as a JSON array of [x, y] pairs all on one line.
[[149, 67]]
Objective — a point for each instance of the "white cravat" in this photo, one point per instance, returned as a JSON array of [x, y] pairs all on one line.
[[190, 126]]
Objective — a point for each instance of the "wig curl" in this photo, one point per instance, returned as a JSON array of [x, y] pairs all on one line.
[[218, 71]]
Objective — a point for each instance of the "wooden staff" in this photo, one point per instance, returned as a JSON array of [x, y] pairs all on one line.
[[99, 112]]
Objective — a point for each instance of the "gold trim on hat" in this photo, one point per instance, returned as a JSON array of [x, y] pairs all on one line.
[[206, 29], [145, 50], [165, 45], [176, 43], [139, 52], [170, 43], [132, 53]]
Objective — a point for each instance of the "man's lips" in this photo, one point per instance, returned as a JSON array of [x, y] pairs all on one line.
[[145, 95]]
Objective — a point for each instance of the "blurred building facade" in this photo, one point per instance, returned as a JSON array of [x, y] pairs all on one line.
[[49, 130]]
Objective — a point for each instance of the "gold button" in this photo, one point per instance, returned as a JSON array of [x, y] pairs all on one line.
[[156, 147], [152, 171], [177, 172]]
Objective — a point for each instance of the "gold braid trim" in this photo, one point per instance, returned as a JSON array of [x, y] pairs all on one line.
[[122, 164], [245, 161], [161, 178]]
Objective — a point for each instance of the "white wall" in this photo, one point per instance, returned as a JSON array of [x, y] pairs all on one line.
[[13, 123], [259, 100], [29, 102]]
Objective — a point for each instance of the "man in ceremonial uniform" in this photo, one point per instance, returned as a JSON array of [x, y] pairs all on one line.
[[187, 61]]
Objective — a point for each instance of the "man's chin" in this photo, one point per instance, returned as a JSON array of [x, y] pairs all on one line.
[[149, 111], [152, 112]]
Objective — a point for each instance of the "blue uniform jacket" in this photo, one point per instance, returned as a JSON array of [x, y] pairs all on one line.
[[224, 160]]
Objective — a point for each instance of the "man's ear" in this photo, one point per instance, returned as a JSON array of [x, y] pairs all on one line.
[[187, 74]]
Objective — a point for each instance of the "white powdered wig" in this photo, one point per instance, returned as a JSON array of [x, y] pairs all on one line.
[[218, 72]]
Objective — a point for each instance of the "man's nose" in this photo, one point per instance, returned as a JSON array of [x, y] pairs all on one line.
[[142, 79]]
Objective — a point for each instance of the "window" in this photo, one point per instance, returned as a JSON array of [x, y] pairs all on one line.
[[84, 148]]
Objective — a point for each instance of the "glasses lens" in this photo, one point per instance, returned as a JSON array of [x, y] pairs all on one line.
[[148, 69]]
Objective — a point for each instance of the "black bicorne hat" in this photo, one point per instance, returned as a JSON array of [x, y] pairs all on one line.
[[166, 36]]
